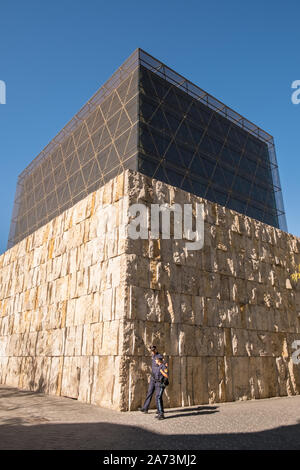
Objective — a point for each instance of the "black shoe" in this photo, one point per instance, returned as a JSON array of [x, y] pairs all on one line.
[[142, 410], [161, 417]]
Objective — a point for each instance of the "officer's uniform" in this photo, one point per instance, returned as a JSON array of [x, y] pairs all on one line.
[[151, 387], [160, 374]]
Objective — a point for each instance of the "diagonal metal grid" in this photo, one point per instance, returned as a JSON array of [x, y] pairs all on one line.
[[193, 141], [99, 143], [149, 118]]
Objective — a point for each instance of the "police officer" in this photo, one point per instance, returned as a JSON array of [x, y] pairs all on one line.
[[161, 381], [151, 387]]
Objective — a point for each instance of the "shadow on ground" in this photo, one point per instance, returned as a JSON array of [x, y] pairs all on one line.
[[185, 412], [14, 434]]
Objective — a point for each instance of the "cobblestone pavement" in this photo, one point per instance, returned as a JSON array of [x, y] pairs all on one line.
[[31, 420]]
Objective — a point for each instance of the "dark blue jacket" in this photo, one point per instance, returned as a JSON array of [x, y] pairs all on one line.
[[160, 372], [154, 365]]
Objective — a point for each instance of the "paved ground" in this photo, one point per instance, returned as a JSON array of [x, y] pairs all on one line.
[[35, 421]]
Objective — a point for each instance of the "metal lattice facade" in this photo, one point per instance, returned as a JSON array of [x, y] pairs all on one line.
[[149, 118], [187, 144], [99, 143]]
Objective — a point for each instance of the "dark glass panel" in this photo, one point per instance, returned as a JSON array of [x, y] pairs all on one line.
[[146, 166]]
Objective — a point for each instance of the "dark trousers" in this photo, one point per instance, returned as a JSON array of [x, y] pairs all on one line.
[[150, 392], [159, 390]]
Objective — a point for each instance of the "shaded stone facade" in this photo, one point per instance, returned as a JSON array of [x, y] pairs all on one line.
[[79, 307]]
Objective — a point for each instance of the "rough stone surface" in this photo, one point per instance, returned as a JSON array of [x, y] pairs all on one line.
[[80, 303], [62, 303]]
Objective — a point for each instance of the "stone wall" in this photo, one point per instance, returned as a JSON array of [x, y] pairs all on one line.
[[80, 303], [61, 304], [226, 316]]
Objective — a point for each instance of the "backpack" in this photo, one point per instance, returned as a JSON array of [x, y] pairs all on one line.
[[165, 381]]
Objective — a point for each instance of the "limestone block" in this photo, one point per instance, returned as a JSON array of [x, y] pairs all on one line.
[[13, 345], [138, 377], [262, 318], [189, 280], [97, 338], [4, 326], [26, 379], [3, 368], [79, 283], [240, 377], [118, 187], [176, 382], [122, 303], [41, 296], [110, 342], [70, 312], [30, 299], [113, 273], [86, 379], [138, 188], [187, 344], [223, 314], [58, 341], [78, 340], [266, 343], [107, 193], [138, 271], [96, 250], [87, 341], [283, 376], [209, 341], [294, 376], [241, 345], [106, 305], [242, 291], [75, 236], [13, 371], [52, 317], [55, 375], [3, 347], [70, 341], [79, 212], [73, 266], [228, 379], [83, 307], [43, 343], [146, 304], [212, 379], [57, 267], [95, 277], [29, 347], [41, 374], [62, 289], [172, 307], [112, 244], [71, 377], [186, 310], [105, 377]]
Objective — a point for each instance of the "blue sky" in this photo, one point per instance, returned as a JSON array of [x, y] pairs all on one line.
[[55, 55]]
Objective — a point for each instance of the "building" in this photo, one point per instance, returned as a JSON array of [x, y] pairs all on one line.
[[149, 118], [79, 307]]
